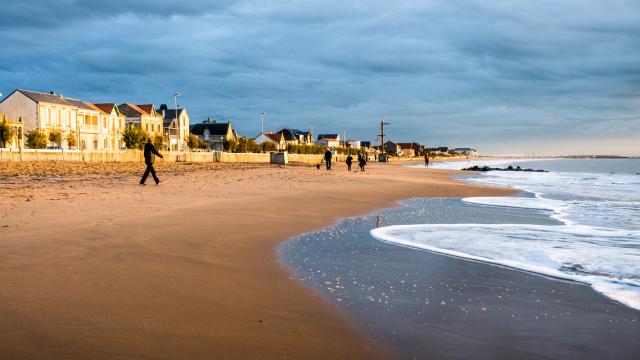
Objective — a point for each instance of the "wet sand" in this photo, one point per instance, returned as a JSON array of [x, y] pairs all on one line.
[[94, 266], [429, 306]]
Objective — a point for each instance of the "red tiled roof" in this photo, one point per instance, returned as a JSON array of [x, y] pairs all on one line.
[[94, 107], [148, 108], [405, 146], [274, 137], [107, 108]]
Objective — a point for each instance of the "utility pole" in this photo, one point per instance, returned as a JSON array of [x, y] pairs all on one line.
[[262, 123], [382, 124]]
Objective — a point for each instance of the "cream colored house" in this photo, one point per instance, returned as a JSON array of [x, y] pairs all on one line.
[[114, 122], [84, 122], [144, 116], [276, 138], [176, 128]]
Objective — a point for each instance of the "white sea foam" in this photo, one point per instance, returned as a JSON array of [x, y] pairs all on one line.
[[598, 242], [575, 252]]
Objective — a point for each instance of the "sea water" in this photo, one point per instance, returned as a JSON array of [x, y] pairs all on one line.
[[596, 240]]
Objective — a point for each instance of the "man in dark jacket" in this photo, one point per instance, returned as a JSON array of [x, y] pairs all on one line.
[[349, 162], [327, 159], [149, 155]]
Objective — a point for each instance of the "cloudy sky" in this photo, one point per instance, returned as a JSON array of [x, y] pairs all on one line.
[[507, 77]]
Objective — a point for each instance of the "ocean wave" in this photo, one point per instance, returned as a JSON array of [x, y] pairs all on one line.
[[573, 252]]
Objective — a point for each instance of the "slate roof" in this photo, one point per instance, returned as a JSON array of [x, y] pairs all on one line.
[[220, 129], [300, 132], [328, 136], [171, 113], [54, 99], [131, 109], [406, 146]]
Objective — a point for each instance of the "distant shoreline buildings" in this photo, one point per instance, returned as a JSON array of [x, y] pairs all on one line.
[[73, 124]]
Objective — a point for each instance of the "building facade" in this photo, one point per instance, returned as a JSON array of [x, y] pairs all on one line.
[[143, 116], [214, 133], [82, 125], [276, 138], [176, 127]]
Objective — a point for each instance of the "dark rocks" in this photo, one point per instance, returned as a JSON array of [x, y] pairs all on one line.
[[509, 168]]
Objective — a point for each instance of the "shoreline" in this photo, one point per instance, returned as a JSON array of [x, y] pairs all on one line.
[[107, 283], [428, 304]]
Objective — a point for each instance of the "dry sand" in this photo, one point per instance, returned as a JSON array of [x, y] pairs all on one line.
[[94, 266]]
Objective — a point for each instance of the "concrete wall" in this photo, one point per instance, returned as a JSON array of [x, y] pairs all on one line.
[[137, 156]]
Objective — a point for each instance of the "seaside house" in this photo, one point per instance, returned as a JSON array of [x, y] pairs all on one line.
[[276, 138], [296, 137], [176, 127], [365, 144], [50, 112], [467, 151], [406, 149], [411, 149], [112, 124], [392, 148], [143, 116], [354, 144], [214, 133], [15, 127], [329, 140]]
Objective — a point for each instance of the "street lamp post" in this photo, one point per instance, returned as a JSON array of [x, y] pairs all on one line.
[[175, 104], [262, 123]]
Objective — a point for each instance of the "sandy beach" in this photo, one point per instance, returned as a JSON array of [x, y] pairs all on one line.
[[92, 265]]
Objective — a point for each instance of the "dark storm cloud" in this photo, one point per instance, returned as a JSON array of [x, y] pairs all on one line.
[[477, 73]]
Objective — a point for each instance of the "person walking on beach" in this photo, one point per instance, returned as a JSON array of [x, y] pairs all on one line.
[[426, 160], [349, 162], [149, 155], [327, 159], [362, 161]]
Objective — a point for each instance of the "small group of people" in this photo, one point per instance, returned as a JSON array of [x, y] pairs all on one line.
[[362, 160]]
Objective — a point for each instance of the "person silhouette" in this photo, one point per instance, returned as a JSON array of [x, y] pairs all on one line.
[[149, 155]]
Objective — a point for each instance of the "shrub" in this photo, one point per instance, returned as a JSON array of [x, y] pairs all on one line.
[[246, 145], [55, 137], [158, 140], [230, 145], [306, 149], [36, 140], [72, 140], [134, 137], [194, 142], [268, 146], [6, 133]]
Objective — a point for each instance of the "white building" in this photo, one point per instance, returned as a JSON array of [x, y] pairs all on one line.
[[87, 124], [467, 151], [328, 140], [275, 138], [354, 144]]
